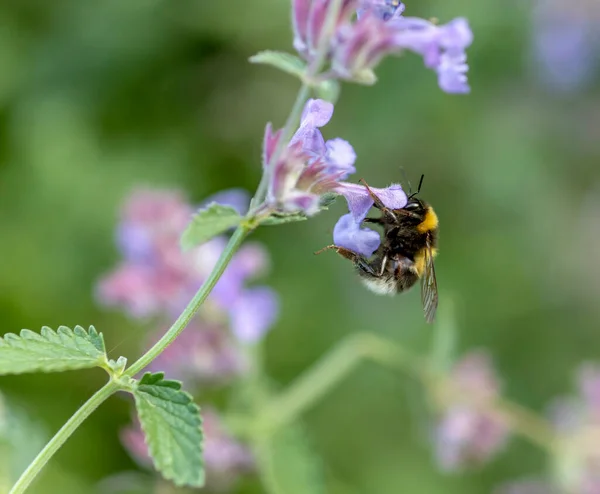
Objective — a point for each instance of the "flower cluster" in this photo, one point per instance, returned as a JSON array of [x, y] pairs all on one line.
[[470, 431], [310, 167], [577, 424], [157, 279], [379, 29]]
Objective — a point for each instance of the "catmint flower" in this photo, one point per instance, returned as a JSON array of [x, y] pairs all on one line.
[[356, 45], [225, 458], [359, 47], [308, 21], [348, 232], [156, 278], [469, 431], [309, 166]]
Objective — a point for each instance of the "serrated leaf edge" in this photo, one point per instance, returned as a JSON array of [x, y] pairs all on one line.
[[47, 335], [157, 380]]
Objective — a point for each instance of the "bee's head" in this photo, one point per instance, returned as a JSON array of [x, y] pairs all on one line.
[[414, 204]]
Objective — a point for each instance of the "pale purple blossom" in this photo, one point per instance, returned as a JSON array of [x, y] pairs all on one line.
[[361, 46], [308, 19], [156, 278], [348, 231], [309, 166], [357, 45], [469, 432]]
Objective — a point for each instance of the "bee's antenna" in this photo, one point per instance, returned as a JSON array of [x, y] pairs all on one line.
[[420, 183]]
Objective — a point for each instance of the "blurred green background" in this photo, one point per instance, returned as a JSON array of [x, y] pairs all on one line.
[[98, 97]]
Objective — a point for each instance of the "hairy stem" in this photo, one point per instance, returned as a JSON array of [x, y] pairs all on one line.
[[62, 435], [185, 317]]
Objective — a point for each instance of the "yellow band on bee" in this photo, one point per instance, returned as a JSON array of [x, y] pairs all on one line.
[[430, 222]]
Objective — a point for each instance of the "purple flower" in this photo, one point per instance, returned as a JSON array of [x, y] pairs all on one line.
[[442, 48], [157, 279], [309, 166], [469, 431], [348, 232], [379, 31], [308, 19]]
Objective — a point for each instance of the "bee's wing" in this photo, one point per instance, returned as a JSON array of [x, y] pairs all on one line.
[[429, 289]]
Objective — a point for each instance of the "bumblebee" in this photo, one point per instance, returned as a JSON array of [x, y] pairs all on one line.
[[406, 252]]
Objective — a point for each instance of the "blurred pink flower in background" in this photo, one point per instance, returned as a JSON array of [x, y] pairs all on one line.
[[156, 278], [469, 432]]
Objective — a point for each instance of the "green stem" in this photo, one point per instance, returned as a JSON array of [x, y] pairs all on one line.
[[62, 435], [185, 317], [321, 378], [318, 381]]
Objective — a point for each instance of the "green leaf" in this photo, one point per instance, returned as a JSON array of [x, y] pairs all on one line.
[[173, 428], [281, 60], [208, 222], [279, 218], [327, 200], [49, 351], [290, 464]]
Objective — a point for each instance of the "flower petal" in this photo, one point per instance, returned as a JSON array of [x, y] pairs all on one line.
[[270, 143], [316, 113], [360, 201], [340, 155], [348, 233]]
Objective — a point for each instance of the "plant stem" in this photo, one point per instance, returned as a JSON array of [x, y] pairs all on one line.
[[184, 318], [317, 382], [62, 435]]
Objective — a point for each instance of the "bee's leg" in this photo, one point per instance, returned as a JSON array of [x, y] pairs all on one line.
[[377, 221], [377, 201], [359, 261], [384, 262], [405, 274]]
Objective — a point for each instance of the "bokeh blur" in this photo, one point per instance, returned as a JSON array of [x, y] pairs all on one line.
[[97, 98]]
